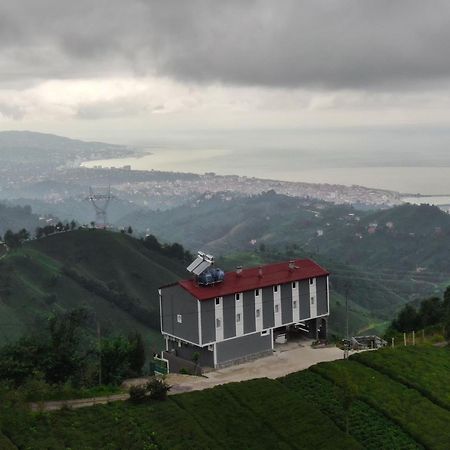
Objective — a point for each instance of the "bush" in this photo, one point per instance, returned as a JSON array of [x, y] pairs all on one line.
[[158, 388], [155, 389], [138, 394]]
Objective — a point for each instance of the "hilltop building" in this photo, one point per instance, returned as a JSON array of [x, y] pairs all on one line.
[[219, 319]]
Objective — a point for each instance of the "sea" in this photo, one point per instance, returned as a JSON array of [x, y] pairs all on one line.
[[414, 164]]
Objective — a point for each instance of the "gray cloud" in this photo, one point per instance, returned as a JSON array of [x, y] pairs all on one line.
[[378, 44]]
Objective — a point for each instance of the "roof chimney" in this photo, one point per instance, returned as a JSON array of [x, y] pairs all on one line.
[[292, 266], [239, 271], [260, 272]]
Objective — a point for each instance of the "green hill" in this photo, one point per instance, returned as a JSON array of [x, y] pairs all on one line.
[[383, 258], [374, 395], [111, 274]]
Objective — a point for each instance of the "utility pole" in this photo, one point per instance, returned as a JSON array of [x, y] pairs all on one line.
[[347, 346], [99, 345]]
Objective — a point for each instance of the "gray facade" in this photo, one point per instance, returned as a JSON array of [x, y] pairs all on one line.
[[305, 307], [268, 305], [175, 302], [224, 330], [243, 348], [208, 321], [322, 296], [286, 303], [229, 316], [249, 312]]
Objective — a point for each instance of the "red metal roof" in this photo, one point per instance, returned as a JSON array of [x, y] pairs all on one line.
[[250, 279]]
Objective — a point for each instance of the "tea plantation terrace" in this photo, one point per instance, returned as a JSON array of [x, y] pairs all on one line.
[[224, 319]]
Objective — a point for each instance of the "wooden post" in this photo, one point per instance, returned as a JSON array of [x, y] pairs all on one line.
[[414, 337], [392, 342], [404, 339]]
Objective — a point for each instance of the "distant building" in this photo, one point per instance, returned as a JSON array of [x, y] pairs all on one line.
[[239, 318]]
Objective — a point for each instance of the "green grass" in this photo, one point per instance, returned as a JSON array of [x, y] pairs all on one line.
[[426, 369], [367, 425], [304, 410], [289, 416], [33, 284], [426, 422]]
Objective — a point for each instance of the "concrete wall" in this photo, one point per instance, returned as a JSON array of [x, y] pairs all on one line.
[[243, 347], [208, 320], [176, 300]]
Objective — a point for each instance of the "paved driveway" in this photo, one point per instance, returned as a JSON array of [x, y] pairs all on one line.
[[284, 360]]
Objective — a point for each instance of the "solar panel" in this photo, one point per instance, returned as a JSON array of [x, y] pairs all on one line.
[[201, 263], [195, 264], [202, 267]]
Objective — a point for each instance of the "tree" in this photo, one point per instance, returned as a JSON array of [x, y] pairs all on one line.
[[39, 233], [430, 311], [72, 225], [23, 235], [137, 353], [115, 359], [66, 356], [407, 319], [129, 230], [12, 240]]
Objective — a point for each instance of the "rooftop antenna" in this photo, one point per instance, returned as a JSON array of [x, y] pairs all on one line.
[[100, 202]]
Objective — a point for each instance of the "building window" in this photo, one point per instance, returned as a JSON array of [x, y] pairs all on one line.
[[179, 343], [211, 348], [179, 318], [218, 323], [238, 296], [217, 300], [311, 281], [275, 288], [258, 313], [277, 308], [238, 318], [265, 332], [295, 304], [312, 300], [294, 285], [257, 293]]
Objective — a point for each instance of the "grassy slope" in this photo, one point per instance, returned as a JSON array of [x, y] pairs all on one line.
[[37, 286], [301, 410], [381, 267]]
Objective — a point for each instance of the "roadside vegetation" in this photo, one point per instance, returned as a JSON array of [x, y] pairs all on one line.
[[348, 404]]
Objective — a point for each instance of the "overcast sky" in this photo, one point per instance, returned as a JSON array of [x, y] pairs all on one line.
[[126, 70]]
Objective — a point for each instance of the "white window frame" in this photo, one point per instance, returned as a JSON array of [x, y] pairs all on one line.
[[179, 318]]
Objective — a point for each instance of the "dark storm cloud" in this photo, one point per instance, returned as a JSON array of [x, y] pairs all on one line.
[[292, 43]]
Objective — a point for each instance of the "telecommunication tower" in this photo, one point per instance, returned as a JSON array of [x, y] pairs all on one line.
[[100, 199]]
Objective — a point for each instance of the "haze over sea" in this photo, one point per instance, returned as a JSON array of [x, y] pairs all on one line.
[[412, 161]]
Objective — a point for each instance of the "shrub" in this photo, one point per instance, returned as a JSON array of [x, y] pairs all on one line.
[[138, 394], [158, 388]]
